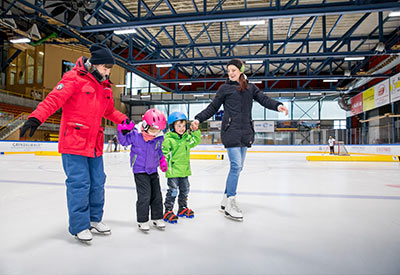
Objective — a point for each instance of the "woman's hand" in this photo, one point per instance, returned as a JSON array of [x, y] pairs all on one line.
[[194, 126], [283, 109]]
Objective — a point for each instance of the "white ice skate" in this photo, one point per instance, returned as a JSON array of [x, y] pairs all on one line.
[[223, 203], [144, 226], [159, 224], [100, 227], [84, 236], [232, 211]]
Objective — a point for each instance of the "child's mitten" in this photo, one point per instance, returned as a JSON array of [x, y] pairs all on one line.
[[163, 164], [125, 128]]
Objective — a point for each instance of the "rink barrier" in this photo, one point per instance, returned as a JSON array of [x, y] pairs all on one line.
[[381, 158], [207, 156], [55, 153]]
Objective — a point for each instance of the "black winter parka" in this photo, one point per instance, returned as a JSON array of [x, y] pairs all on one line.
[[237, 127]]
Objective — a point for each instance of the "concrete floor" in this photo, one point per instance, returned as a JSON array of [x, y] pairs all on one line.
[[299, 218]]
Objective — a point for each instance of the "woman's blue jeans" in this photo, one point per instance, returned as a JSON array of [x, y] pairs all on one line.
[[236, 158]]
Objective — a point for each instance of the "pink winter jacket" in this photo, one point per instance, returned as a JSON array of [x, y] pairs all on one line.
[[84, 101]]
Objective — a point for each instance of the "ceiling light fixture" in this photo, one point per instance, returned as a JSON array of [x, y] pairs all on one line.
[[354, 58], [330, 80], [185, 83], [20, 40], [394, 13], [252, 22], [163, 65], [125, 31], [254, 62]]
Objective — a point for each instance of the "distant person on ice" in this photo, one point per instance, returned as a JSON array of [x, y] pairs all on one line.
[[85, 95], [331, 142]]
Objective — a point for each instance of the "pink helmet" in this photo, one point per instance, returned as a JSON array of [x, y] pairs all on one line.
[[154, 118]]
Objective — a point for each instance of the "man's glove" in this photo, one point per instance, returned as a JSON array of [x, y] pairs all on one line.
[[32, 123], [163, 164], [125, 127]]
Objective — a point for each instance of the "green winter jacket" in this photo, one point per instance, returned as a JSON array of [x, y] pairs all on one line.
[[176, 150]]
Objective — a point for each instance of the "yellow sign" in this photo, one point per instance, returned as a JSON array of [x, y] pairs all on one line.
[[369, 99]]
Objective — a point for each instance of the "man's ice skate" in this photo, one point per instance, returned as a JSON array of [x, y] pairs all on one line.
[[232, 211], [100, 228], [223, 203], [159, 224], [84, 236], [170, 217], [144, 226], [186, 212]]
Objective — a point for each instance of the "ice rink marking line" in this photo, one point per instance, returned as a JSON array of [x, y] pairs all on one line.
[[266, 194]]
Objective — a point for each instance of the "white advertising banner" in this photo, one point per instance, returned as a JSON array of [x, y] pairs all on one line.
[[395, 88], [382, 96], [215, 125], [27, 146], [264, 126]]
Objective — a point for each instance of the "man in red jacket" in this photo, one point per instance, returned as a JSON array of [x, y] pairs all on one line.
[[85, 95]]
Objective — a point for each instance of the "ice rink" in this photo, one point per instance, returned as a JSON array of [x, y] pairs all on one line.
[[299, 218]]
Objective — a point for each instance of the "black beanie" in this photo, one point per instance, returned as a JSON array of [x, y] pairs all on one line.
[[101, 54], [239, 64]]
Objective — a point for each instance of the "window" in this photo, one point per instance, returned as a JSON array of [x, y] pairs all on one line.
[[13, 68], [139, 85], [196, 108], [39, 65], [331, 110], [21, 67], [178, 108], [305, 110], [339, 124], [274, 115], [30, 68], [257, 112]]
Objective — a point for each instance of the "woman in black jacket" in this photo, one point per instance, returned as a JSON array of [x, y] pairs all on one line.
[[237, 131]]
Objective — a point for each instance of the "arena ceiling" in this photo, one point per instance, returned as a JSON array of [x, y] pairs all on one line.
[[298, 47]]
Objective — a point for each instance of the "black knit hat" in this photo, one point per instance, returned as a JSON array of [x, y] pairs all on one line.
[[239, 64], [101, 54]]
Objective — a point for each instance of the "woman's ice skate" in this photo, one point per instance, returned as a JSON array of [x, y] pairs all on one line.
[[232, 211], [223, 203]]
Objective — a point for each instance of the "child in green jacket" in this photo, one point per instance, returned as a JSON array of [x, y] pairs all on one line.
[[176, 149]]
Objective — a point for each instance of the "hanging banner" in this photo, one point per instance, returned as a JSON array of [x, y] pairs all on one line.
[[382, 95], [369, 99], [264, 126], [395, 88], [356, 104]]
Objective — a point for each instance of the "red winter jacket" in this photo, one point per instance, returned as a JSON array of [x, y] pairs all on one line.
[[84, 101]]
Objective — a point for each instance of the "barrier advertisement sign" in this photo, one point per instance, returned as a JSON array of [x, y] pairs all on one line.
[[356, 104], [369, 99], [395, 88], [382, 93]]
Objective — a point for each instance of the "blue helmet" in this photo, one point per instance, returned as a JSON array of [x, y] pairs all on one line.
[[175, 116]]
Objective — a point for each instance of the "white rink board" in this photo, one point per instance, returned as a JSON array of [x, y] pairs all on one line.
[[27, 146]]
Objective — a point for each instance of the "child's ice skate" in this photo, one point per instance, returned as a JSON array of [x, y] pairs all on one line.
[[144, 226], [170, 217], [232, 211], [186, 212], [159, 224], [223, 203], [84, 236], [100, 228]]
